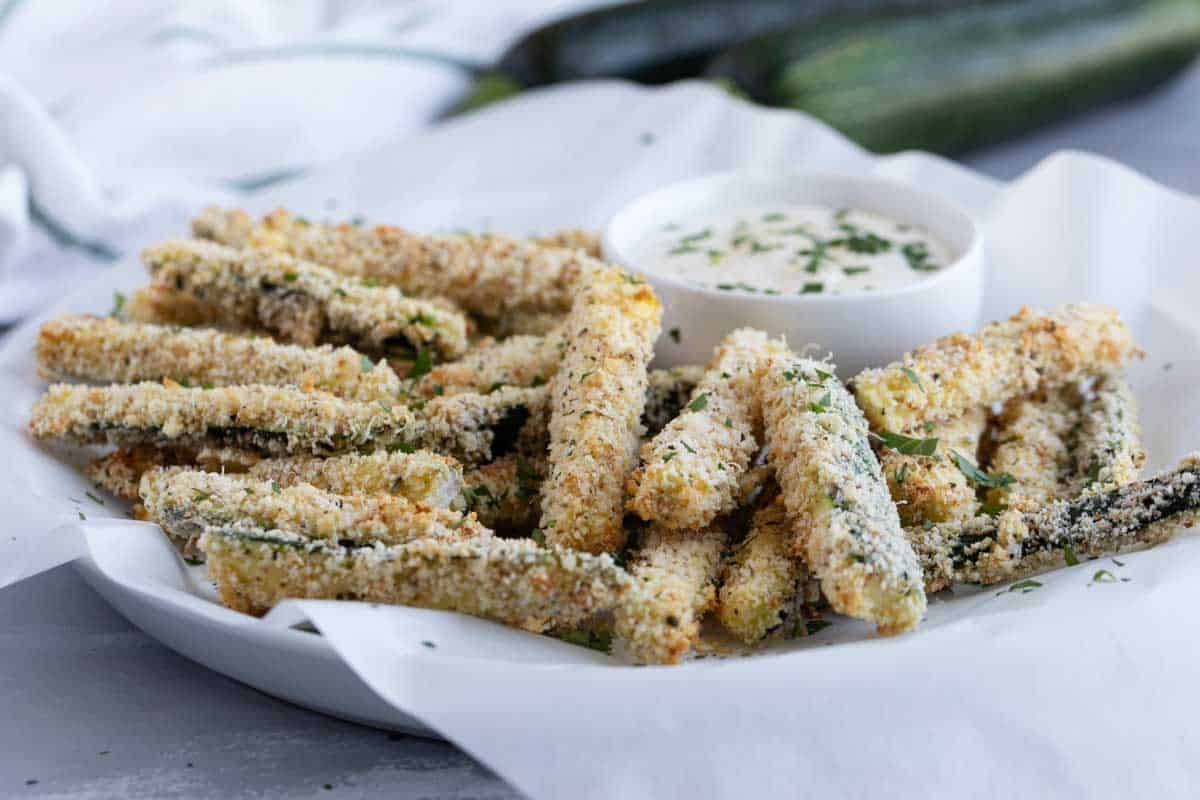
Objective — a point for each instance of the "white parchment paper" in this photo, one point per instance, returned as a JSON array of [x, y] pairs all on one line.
[[1077, 689]]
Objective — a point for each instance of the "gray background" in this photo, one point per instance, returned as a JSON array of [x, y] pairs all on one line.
[[91, 707]]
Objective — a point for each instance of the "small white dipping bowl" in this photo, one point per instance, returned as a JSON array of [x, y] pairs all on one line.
[[860, 329]]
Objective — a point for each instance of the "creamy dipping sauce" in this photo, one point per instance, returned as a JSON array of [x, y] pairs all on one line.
[[797, 249]]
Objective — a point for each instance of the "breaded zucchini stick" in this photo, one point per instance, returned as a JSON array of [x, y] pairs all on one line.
[[1034, 441], [516, 361], [301, 302], [933, 488], [762, 579], [597, 397], [508, 580], [1107, 450], [120, 472], [489, 275], [1030, 350], [676, 572], [267, 419], [183, 502], [505, 494], [989, 550], [422, 477], [476, 428], [691, 469], [843, 520], [107, 350]]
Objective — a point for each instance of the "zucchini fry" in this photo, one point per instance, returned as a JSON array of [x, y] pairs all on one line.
[[1034, 436], [421, 477], [1107, 450], [932, 488], [690, 471], [488, 275], [120, 472], [1030, 350], [476, 428], [762, 580], [106, 350], [183, 502], [597, 398], [516, 361], [301, 302], [677, 575], [1018, 542], [843, 520], [507, 580], [505, 494], [266, 419]]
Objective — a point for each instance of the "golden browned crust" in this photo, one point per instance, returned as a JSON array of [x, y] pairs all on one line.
[[597, 398], [302, 302], [1005, 359]]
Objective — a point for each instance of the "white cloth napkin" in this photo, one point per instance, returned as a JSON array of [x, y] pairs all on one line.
[[116, 116], [1080, 689]]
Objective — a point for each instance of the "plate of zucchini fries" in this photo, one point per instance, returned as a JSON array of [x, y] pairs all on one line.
[[473, 423]]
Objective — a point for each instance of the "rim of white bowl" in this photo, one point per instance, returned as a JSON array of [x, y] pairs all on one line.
[[972, 252]]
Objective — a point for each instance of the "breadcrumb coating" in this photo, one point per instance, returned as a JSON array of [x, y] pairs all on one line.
[[476, 428], [120, 472], [183, 502], [505, 494], [1034, 442], [1017, 542], [691, 470], [573, 238], [106, 350], [1107, 450], [489, 275], [933, 488], [421, 477], [597, 397], [302, 302], [762, 580], [1030, 350], [268, 419], [508, 580], [843, 520], [676, 573], [516, 361]]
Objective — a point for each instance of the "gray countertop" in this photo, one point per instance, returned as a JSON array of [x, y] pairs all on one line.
[[92, 707]]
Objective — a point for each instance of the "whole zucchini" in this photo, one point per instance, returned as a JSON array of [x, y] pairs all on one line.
[[656, 41], [958, 79]]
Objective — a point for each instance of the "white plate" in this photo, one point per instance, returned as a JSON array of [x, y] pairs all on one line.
[[1075, 228]]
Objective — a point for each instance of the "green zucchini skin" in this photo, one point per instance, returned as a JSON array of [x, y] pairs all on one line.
[[656, 41], [957, 80]]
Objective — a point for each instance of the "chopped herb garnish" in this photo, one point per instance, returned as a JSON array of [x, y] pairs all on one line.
[[907, 445], [976, 475], [774, 217], [699, 404], [422, 364], [902, 475], [1104, 576], [429, 644], [1024, 587], [812, 626], [401, 447], [291, 277], [812, 288], [118, 304], [1118, 563], [688, 447], [862, 242], [275, 487], [200, 497], [94, 499], [593, 640], [668, 457], [912, 376], [538, 537], [674, 334], [728, 422], [697, 236], [917, 255], [855, 270], [822, 405], [993, 509], [1069, 556]]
